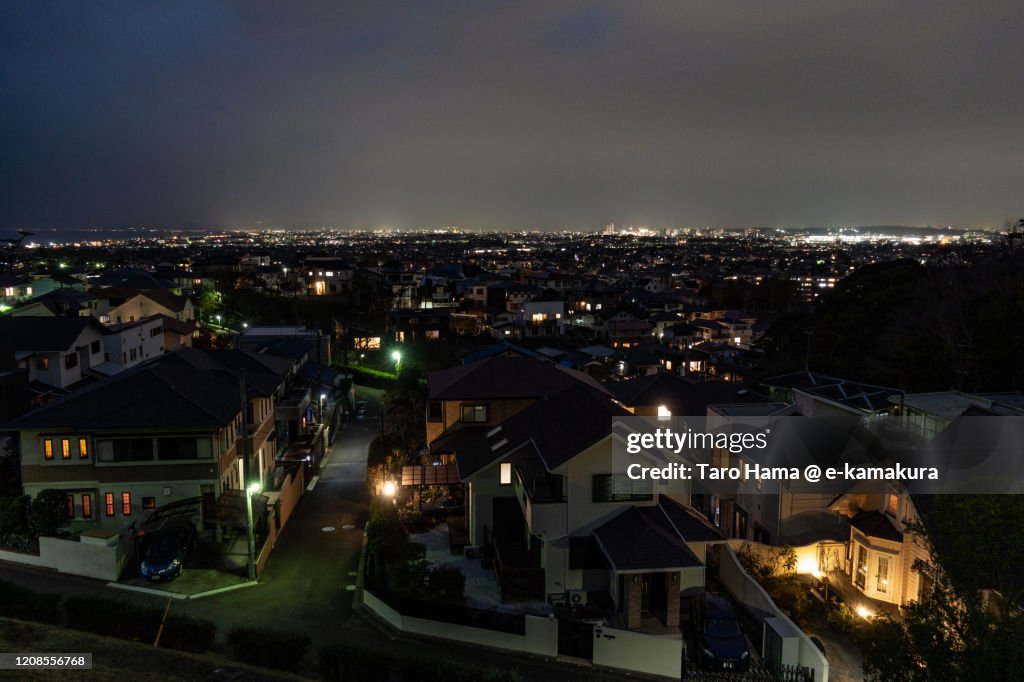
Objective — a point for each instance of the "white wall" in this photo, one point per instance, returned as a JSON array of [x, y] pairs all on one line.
[[638, 652], [68, 556], [541, 636], [747, 590]]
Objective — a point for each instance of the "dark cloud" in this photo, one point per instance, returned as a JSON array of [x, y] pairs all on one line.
[[510, 114]]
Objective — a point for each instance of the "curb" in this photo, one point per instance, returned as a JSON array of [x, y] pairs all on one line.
[[178, 595]]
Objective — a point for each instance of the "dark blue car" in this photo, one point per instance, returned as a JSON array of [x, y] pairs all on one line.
[[168, 548], [720, 639]]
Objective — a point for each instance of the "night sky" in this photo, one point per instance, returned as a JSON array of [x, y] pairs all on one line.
[[511, 114]]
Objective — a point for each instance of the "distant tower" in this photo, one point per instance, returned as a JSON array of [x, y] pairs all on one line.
[[609, 228]]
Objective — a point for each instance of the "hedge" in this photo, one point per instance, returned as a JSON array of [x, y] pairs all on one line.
[[135, 622], [18, 602], [268, 648], [352, 663]]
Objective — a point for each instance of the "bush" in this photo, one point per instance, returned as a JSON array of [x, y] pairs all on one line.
[[349, 663], [268, 648], [446, 583], [134, 622], [49, 511], [14, 513], [17, 602]]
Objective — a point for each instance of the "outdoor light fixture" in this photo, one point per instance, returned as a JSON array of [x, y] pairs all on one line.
[[397, 356], [863, 612], [389, 488]]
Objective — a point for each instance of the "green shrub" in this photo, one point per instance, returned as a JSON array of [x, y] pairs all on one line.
[[49, 511], [350, 663], [18, 602], [268, 648], [135, 622], [446, 583]]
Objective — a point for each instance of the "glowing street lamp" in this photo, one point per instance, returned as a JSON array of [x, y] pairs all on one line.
[[218, 320], [397, 357], [253, 489]]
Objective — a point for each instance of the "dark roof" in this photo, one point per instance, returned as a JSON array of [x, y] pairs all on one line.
[[689, 524], [500, 348], [681, 396], [877, 525], [30, 333], [558, 428], [505, 377], [132, 279], [263, 371], [641, 538]]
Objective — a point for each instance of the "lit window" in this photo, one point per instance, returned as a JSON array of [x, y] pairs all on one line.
[[71, 506], [48, 448], [505, 476], [108, 502], [87, 506], [65, 448], [126, 504], [149, 503], [83, 448], [664, 412], [883, 575]]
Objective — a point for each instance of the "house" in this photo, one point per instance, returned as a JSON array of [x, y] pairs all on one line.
[[130, 344], [532, 444], [60, 303], [57, 352], [13, 290], [157, 433], [128, 305], [327, 276]]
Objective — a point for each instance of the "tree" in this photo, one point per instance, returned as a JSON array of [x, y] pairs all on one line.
[[49, 511], [968, 624]]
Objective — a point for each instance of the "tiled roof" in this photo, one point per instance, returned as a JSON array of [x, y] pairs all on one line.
[[640, 539], [504, 377]]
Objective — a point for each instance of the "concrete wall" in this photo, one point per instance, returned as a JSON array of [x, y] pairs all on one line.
[[541, 638], [638, 652], [747, 591], [93, 560]]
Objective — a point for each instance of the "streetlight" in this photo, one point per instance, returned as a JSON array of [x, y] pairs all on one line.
[[245, 325], [253, 489], [397, 357], [323, 397], [218, 320]]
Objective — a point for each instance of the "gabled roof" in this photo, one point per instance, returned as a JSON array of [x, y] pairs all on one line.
[[132, 279], [690, 525], [504, 377], [681, 396], [643, 539], [263, 371], [45, 334], [557, 428], [500, 348]]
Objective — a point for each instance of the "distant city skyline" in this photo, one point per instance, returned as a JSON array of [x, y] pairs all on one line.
[[511, 116]]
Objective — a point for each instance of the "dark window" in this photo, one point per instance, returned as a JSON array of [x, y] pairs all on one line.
[[739, 523], [70, 361], [87, 506], [621, 488], [108, 502], [435, 411], [71, 506], [474, 413], [126, 504], [176, 448], [95, 347], [125, 450], [149, 503], [42, 363]]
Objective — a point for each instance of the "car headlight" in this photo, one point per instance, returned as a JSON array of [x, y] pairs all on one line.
[[175, 563], [745, 655]]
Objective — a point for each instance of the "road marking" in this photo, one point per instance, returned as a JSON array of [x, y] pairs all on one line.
[[312, 483], [347, 526], [327, 529]]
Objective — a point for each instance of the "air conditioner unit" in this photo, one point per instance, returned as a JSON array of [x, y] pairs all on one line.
[[577, 597], [471, 551]]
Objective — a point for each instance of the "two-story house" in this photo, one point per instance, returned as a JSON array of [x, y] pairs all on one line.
[[164, 431], [56, 351], [533, 446]]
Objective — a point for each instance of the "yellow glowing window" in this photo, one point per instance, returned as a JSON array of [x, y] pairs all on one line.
[[83, 448], [48, 449], [505, 473], [65, 448]]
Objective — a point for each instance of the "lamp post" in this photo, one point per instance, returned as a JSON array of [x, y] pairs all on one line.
[[249, 492], [397, 357], [218, 320]]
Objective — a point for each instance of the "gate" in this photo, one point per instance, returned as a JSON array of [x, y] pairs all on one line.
[[575, 639]]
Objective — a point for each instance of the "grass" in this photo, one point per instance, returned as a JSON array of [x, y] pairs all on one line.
[[116, 659]]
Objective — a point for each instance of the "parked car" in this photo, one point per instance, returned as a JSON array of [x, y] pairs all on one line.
[[720, 641], [168, 548]]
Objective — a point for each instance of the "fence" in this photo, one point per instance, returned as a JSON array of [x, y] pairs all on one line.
[[757, 673]]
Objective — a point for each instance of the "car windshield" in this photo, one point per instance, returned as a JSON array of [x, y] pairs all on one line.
[[721, 627]]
